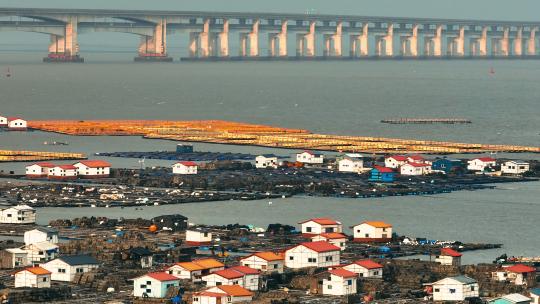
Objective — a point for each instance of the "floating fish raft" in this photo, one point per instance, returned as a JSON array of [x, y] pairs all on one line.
[[427, 121], [11, 156], [224, 132]]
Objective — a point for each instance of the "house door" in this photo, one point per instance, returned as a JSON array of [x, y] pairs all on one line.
[[385, 236], [218, 300]]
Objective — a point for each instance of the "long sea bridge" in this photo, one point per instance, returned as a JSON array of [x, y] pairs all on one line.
[[314, 36]]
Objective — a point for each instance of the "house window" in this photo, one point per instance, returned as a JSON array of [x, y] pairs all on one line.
[[148, 282], [218, 283], [291, 258], [329, 286], [275, 266], [169, 285], [195, 299], [436, 289], [472, 288], [61, 270], [349, 282], [375, 273], [361, 274], [367, 234], [143, 286], [79, 270], [384, 229], [149, 291], [308, 229], [312, 260], [44, 279], [329, 258], [452, 290]]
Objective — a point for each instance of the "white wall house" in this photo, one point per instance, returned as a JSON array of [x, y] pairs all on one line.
[[239, 275], [320, 225], [63, 172], [154, 285], [339, 282], [515, 167], [334, 238], [198, 237], [66, 267], [518, 274], [395, 161], [415, 169], [535, 295], [267, 262], [20, 214], [195, 270], [514, 298], [13, 258], [41, 252], [351, 164], [33, 277], [185, 168], [262, 162], [416, 159], [455, 289], [17, 124], [372, 231], [366, 269], [224, 294], [308, 157], [480, 164], [3, 121], [41, 234], [38, 170], [93, 168], [449, 256], [313, 254]]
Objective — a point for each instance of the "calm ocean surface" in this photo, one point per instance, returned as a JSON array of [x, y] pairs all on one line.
[[328, 97]]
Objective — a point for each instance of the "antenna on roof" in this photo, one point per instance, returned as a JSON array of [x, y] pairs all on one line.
[[141, 162]]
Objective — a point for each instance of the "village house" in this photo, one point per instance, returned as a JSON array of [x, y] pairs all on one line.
[[339, 282], [334, 238], [518, 274], [198, 237], [312, 254], [154, 285], [351, 163], [419, 159], [535, 295], [372, 231], [20, 214], [266, 161], [366, 269], [223, 294], [3, 121], [65, 268], [266, 262], [194, 270], [17, 124], [445, 165], [13, 258], [93, 168], [41, 252], [455, 289], [415, 169], [39, 170], [238, 275], [514, 298], [33, 277], [515, 167], [184, 168], [449, 256], [395, 161], [481, 164], [308, 157], [41, 234], [63, 172], [141, 256], [382, 174], [320, 225]]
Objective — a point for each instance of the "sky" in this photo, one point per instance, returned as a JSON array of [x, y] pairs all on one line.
[[459, 9]]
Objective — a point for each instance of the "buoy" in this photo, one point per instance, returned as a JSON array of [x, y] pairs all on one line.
[[153, 228]]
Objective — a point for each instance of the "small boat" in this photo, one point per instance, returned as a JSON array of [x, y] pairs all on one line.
[[492, 71], [8, 73]]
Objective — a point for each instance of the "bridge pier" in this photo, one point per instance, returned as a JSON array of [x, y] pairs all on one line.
[[517, 43], [531, 43], [65, 48], [333, 42], [409, 44], [500, 45], [305, 42], [154, 48], [456, 45], [277, 42], [223, 41], [433, 44], [479, 44], [385, 43], [359, 43]]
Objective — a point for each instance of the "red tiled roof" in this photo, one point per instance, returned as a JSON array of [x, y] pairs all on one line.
[[398, 157], [245, 270], [320, 246], [368, 264], [450, 252], [322, 221], [520, 268], [162, 276], [95, 163], [14, 118], [418, 165], [45, 165], [383, 169], [67, 167], [229, 273], [340, 272], [332, 235], [235, 290], [486, 159], [416, 157], [187, 163]]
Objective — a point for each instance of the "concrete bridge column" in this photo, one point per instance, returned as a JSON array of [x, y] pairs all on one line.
[[224, 40], [282, 39], [253, 38], [300, 45], [504, 43], [154, 48], [531, 43], [386, 43], [459, 43], [243, 45], [305, 43], [409, 44], [478, 45], [65, 48], [193, 44], [433, 44], [337, 40], [359, 43], [327, 44], [204, 40], [272, 41], [518, 43]]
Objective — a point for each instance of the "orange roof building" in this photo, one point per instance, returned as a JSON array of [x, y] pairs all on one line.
[[320, 225], [35, 277], [194, 270], [372, 231], [267, 262], [223, 294]]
